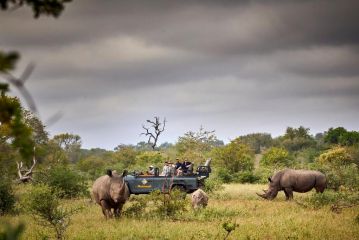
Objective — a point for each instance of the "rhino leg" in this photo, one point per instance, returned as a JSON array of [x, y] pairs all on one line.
[[319, 189], [106, 209], [288, 193], [117, 210]]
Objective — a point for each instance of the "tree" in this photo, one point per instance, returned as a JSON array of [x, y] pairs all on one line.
[[341, 136], [197, 145], [235, 156], [44, 7], [275, 157], [70, 143], [13, 129], [296, 139], [157, 130], [125, 156], [257, 141]]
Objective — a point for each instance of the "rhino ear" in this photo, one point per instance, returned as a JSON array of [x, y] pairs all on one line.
[[269, 179], [109, 172], [124, 173]]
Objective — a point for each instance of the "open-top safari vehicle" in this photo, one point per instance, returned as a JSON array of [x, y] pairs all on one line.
[[144, 184]]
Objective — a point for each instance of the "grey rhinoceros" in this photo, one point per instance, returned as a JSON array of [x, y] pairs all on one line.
[[111, 192], [290, 181], [199, 199]]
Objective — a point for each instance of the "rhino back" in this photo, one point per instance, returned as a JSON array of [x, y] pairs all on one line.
[[301, 180]]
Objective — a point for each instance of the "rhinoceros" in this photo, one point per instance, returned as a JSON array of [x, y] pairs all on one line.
[[111, 192], [290, 181], [199, 199]]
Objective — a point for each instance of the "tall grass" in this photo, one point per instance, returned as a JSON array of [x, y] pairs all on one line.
[[236, 203]]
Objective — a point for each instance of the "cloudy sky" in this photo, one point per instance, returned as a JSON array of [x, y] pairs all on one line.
[[236, 67]]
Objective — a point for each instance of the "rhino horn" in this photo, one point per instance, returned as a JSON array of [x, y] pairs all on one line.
[[262, 195]]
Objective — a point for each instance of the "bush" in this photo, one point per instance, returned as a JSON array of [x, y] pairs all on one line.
[[276, 157], [212, 184], [42, 202], [157, 204], [225, 175], [7, 198], [168, 205], [263, 173], [246, 177], [69, 183]]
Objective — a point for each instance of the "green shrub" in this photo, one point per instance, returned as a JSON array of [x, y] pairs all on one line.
[[212, 184], [42, 202], [246, 177], [7, 198], [137, 207], [343, 197], [225, 175], [263, 173], [168, 205], [68, 182]]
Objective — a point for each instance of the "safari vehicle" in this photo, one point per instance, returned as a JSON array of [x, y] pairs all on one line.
[[144, 184]]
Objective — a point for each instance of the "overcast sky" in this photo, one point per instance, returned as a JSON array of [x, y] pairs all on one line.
[[236, 67]]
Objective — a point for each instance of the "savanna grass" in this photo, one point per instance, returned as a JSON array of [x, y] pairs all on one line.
[[256, 219]]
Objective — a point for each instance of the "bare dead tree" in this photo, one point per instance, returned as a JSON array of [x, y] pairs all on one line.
[[153, 135], [25, 175]]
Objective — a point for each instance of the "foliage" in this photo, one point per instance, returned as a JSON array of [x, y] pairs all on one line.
[[42, 202], [12, 126], [296, 139], [157, 204], [148, 158], [257, 141], [275, 157], [126, 155], [235, 156], [7, 197], [168, 205], [70, 143], [319, 200], [341, 136], [39, 134], [8, 60], [262, 174], [195, 146], [44, 7], [245, 176], [336, 156], [340, 168], [66, 181], [12, 233], [213, 184], [94, 166], [229, 227]]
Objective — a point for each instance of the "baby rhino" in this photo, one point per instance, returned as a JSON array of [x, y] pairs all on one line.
[[290, 181], [111, 192], [199, 199]]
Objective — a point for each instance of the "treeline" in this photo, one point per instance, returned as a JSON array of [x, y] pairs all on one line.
[[62, 163]]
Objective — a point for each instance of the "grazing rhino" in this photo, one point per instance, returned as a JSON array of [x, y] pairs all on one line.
[[111, 192], [290, 181], [199, 199]]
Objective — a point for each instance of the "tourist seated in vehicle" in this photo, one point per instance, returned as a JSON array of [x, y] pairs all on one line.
[[151, 170], [166, 171], [187, 167]]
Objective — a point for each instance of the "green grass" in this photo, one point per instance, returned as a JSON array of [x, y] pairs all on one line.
[[257, 219]]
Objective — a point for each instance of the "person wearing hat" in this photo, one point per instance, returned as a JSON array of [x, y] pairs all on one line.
[[151, 170]]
